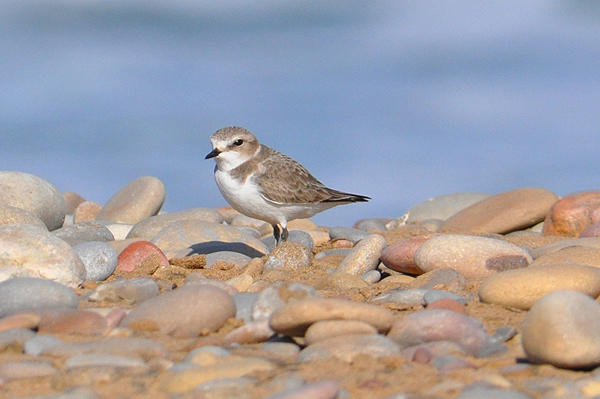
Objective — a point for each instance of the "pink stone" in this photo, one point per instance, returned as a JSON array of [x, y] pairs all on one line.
[[400, 256], [137, 252], [448, 304], [86, 211], [573, 214], [591, 231]]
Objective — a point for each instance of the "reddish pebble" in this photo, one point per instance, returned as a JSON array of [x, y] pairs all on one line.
[[400, 256], [343, 244], [591, 231], [448, 304], [114, 317], [422, 356], [138, 252], [571, 215], [71, 321], [86, 211]]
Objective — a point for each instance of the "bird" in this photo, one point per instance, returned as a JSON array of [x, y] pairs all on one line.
[[265, 184]]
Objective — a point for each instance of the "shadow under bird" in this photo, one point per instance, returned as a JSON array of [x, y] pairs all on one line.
[[265, 184]]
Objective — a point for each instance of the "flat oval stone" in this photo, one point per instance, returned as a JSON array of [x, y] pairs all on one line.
[[505, 212], [136, 201], [34, 194], [26, 369], [571, 215], [277, 295], [149, 227], [99, 360], [439, 325], [347, 347], [583, 255], [10, 214], [71, 321], [136, 290], [442, 206], [79, 233], [32, 251], [172, 314], [326, 329], [129, 347], [99, 259], [21, 294], [563, 329], [238, 259], [340, 281], [521, 288], [294, 318], [189, 233], [364, 256], [400, 256], [472, 256], [347, 233]]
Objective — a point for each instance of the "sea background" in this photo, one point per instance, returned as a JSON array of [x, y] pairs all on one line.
[[397, 100]]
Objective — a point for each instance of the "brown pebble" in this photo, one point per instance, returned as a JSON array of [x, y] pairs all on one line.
[[422, 356], [571, 215], [86, 211], [20, 320], [71, 321], [448, 304]]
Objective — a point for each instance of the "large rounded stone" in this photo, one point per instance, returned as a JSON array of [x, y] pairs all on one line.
[[138, 200], [400, 256], [289, 256], [150, 227], [79, 233], [581, 255], [190, 233], [34, 194], [443, 206], [10, 215], [571, 215], [563, 329], [505, 212], [99, 258], [185, 312], [25, 293], [521, 288], [471, 256], [28, 250], [294, 318]]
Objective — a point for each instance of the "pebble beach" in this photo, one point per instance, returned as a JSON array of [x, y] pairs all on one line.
[[464, 295]]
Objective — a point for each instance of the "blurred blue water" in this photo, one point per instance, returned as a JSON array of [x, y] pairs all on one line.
[[398, 100]]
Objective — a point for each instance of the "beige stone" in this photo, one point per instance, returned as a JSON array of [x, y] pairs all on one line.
[[333, 328]]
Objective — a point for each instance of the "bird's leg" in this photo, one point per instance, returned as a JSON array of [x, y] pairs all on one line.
[[276, 233], [284, 234]]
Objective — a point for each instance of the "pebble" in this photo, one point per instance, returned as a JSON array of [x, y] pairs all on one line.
[[317, 390], [289, 256], [341, 280], [132, 291], [472, 256], [588, 242], [563, 329], [301, 237], [244, 303], [592, 230], [503, 213], [42, 198], [347, 347], [119, 230], [325, 329], [295, 317], [576, 254], [86, 211], [20, 320], [371, 277], [492, 393], [136, 201], [10, 215], [84, 232], [347, 233], [432, 295], [364, 257], [241, 282], [400, 256], [99, 259], [190, 234], [26, 369], [334, 252], [441, 279], [72, 200], [71, 321], [439, 325], [571, 215], [447, 304], [238, 259], [140, 253], [143, 348], [277, 295], [401, 299], [39, 343], [102, 360], [373, 225], [261, 226], [15, 339], [442, 206], [22, 294], [521, 288], [171, 313], [32, 251], [149, 227], [250, 333]]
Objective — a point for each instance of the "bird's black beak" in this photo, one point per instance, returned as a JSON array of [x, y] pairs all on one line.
[[212, 154]]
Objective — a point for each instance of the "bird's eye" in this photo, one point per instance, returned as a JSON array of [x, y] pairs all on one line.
[[238, 142]]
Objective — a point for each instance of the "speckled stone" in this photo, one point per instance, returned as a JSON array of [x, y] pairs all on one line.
[[42, 198], [84, 232], [87, 211], [563, 329], [289, 256], [10, 214], [32, 251], [521, 288], [99, 259], [472, 256], [505, 212], [571, 215], [172, 314], [136, 201]]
